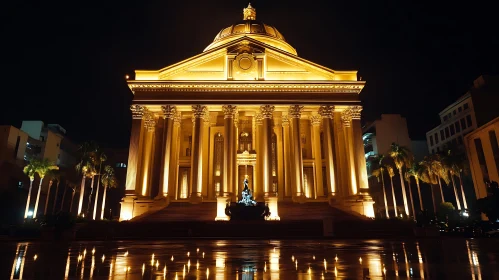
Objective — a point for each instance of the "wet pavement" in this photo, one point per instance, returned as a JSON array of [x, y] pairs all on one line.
[[253, 259]]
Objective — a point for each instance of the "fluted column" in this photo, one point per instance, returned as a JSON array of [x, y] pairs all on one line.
[[267, 111], [145, 182], [206, 153], [280, 157], [341, 171], [174, 156], [295, 114], [326, 113], [199, 112], [258, 186], [134, 151], [288, 177], [315, 120], [233, 156], [229, 149], [350, 154], [169, 112], [358, 147]]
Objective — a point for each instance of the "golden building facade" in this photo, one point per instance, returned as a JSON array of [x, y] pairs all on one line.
[[247, 106]]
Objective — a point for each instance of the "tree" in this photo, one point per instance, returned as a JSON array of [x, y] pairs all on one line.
[[108, 180], [42, 168], [451, 162], [401, 157], [378, 170], [391, 173], [30, 170], [428, 177], [439, 170], [407, 177], [101, 158], [56, 175], [53, 175], [417, 171], [86, 167]]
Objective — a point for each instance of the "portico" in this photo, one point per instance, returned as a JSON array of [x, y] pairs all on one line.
[[247, 106]]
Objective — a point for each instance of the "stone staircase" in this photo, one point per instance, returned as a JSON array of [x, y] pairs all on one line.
[[288, 211], [183, 211]]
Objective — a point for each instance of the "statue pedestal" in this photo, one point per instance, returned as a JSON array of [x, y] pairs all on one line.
[[221, 204], [272, 203]]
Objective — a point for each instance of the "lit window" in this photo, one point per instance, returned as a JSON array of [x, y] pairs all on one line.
[[121, 165]]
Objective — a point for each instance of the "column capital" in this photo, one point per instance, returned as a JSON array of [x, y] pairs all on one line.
[[137, 111], [259, 119], [295, 111], [285, 120], [326, 111], [267, 111], [346, 117], [315, 120], [169, 111], [149, 121], [199, 111], [229, 111], [355, 112], [177, 119]]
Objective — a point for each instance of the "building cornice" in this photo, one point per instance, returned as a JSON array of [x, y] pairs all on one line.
[[231, 86]]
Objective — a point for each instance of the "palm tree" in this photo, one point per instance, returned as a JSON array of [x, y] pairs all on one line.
[[56, 175], [416, 171], [102, 157], [377, 170], [439, 170], [451, 165], [401, 157], [43, 167], [428, 177], [86, 167], [407, 177], [51, 174], [30, 170], [391, 173], [108, 179], [73, 191]]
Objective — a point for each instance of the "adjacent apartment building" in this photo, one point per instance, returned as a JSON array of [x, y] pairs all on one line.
[[457, 120], [481, 144], [33, 140]]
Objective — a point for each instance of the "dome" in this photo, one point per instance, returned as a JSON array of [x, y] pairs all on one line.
[[254, 29]]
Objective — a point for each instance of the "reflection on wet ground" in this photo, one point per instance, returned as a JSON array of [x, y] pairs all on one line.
[[253, 259]]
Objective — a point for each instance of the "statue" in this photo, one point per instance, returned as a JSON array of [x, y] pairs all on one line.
[[247, 198]]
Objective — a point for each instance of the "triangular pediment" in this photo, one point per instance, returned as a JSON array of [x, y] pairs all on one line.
[[246, 59]]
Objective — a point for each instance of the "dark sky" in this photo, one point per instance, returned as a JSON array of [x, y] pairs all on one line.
[[65, 61]]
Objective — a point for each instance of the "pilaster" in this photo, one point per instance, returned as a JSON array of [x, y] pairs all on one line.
[[229, 149]]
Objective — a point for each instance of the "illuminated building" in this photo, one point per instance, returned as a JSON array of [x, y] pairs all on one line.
[[247, 105]]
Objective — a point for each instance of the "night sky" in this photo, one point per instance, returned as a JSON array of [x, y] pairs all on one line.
[[65, 61]]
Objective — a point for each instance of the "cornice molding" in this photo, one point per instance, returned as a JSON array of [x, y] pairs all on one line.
[[347, 87]]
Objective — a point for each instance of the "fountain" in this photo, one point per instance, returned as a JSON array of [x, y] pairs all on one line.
[[247, 208]]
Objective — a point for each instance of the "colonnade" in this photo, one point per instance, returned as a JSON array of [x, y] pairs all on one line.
[[155, 142]]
